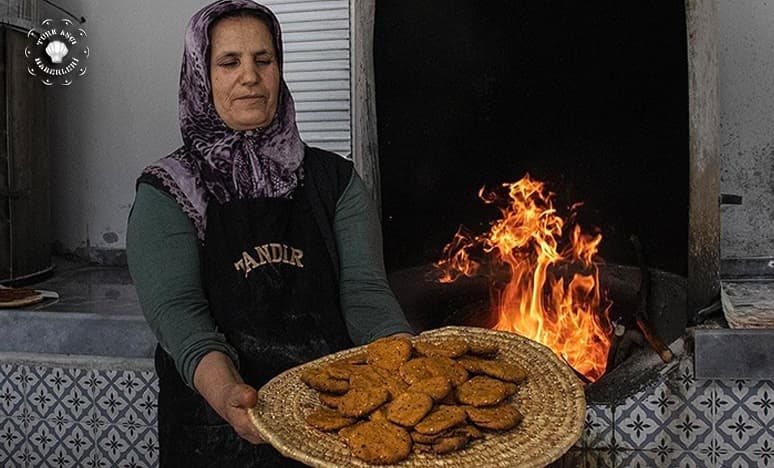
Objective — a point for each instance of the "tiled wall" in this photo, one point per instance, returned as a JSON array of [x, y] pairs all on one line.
[[63, 416], [76, 416], [683, 422]]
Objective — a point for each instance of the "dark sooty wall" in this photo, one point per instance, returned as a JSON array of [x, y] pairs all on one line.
[[590, 97]]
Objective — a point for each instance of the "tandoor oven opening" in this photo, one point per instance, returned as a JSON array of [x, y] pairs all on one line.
[[534, 163]]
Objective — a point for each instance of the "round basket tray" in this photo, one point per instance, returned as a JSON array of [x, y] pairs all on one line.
[[551, 400]]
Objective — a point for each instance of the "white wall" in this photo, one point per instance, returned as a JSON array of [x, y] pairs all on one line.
[[746, 89], [116, 119], [122, 115]]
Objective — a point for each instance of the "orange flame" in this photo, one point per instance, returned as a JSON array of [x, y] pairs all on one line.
[[552, 295]]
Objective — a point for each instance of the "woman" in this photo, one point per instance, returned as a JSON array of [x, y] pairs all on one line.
[[251, 252]]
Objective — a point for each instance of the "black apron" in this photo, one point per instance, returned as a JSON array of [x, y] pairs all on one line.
[[271, 279]]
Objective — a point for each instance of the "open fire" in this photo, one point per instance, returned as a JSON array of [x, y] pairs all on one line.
[[550, 292]]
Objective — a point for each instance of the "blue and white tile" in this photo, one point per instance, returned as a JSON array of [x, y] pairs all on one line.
[[60, 423], [60, 458], [132, 426], [74, 400], [146, 406], [12, 439], [26, 457], [42, 439], [683, 379], [688, 427], [762, 452], [40, 400], [714, 451], [113, 445], [11, 399], [741, 460], [96, 459], [635, 428], [637, 459], [739, 429], [665, 451], [77, 442], [95, 423], [93, 381], [151, 378], [760, 402], [597, 427], [147, 446], [689, 460], [26, 418], [23, 378]]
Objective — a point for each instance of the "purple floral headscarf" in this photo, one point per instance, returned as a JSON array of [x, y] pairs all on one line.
[[215, 161]]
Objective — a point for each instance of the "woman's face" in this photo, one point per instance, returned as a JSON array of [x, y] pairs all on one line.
[[244, 73]]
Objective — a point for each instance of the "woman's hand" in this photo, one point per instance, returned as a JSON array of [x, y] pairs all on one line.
[[220, 384]]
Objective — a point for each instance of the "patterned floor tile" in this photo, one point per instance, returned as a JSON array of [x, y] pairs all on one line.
[[635, 428], [741, 460], [762, 452], [132, 426], [23, 378], [146, 406], [12, 438], [77, 442], [96, 459], [760, 402], [11, 399], [42, 439], [739, 429], [148, 446], [95, 423], [714, 450], [114, 445], [689, 460], [60, 458], [688, 428], [597, 428], [26, 457], [639, 459]]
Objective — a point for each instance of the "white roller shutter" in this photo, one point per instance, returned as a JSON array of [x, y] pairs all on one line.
[[316, 39]]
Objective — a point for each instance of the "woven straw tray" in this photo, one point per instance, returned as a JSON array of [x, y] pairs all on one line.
[[551, 400]]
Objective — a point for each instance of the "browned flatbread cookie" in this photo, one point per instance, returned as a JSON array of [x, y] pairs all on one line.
[[342, 370], [441, 418], [450, 348], [326, 419], [409, 408], [504, 371], [497, 369], [392, 381], [481, 391], [482, 349], [361, 401], [379, 414], [322, 381], [420, 438], [379, 442], [449, 444], [415, 370], [499, 417], [330, 400], [510, 388], [471, 431], [365, 377], [389, 353], [449, 368], [436, 387]]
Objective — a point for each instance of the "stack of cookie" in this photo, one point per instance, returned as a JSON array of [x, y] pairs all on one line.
[[424, 396]]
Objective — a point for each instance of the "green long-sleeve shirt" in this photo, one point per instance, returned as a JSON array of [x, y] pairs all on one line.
[[163, 256]]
